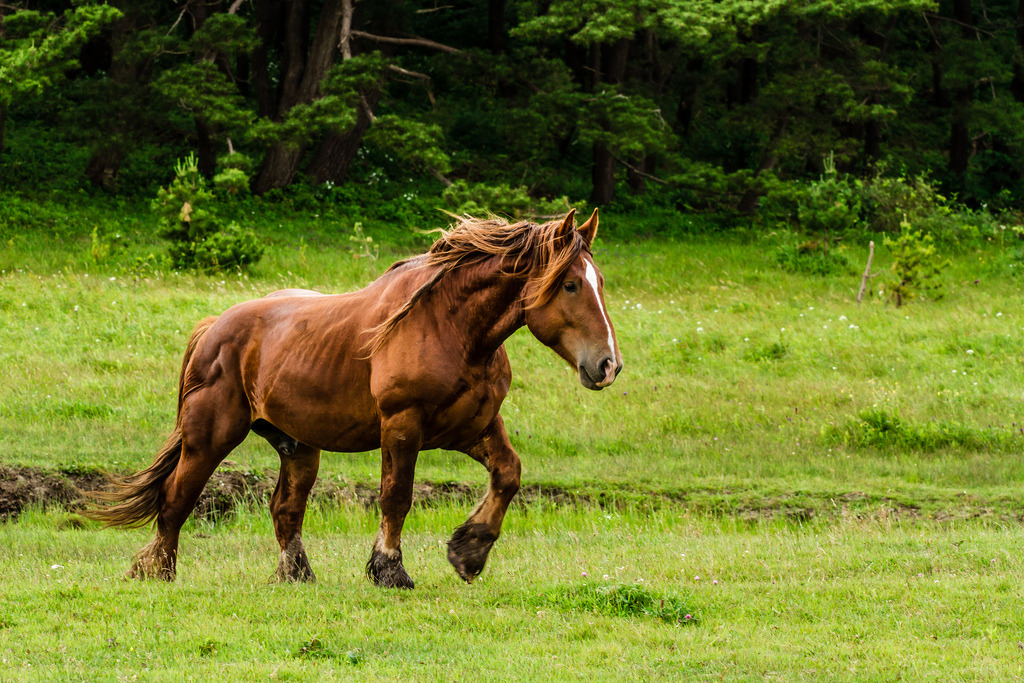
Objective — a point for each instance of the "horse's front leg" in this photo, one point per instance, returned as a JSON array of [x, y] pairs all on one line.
[[472, 541], [401, 437]]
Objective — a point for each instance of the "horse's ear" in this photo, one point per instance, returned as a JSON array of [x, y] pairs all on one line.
[[589, 229], [568, 225]]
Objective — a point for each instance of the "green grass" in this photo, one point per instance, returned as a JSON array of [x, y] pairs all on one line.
[[828, 490], [568, 594], [739, 377]]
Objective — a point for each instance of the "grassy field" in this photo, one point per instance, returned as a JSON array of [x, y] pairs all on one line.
[[826, 488], [568, 594]]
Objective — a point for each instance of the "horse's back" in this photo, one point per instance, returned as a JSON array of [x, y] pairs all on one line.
[[281, 293]]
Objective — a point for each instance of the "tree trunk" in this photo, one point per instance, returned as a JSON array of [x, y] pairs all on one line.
[[105, 162], [104, 165], [333, 158], [872, 132], [496, 25], [636, 181], [748, 203], [206, 152], [302, 71], [602, 173], [602, 176], [269, 19], [1017, 84], [963, 97], [872, 141], [279, 167]]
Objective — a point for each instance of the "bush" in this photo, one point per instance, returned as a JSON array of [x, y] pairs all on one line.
[[189, 221], [831, 204], [916, 266]]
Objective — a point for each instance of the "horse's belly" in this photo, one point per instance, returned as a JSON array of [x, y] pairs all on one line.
[[328, 426]]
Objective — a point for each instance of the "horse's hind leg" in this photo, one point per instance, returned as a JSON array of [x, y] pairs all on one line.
[[299, 468], [472, 541], [212, 425]]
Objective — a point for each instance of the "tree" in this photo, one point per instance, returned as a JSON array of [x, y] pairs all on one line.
[[39, 48]]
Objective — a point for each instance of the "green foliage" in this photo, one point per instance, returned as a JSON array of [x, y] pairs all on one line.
[[831, 204], [410, 142], [233, 177], [891, 200], [199, 239], [200, 89], [480, 199], [333, 110], [713, 101], [916, 266], [107, 243], [39, 48], [630, 125]]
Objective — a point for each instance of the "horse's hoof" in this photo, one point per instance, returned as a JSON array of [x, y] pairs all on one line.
[[293, 566], [294, 575], [388, 572], [141, 572], [468, 549]]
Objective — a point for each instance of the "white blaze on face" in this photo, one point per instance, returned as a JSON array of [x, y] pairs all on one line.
[[591, 276]]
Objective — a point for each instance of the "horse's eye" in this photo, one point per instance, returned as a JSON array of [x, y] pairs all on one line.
[[570, 287]]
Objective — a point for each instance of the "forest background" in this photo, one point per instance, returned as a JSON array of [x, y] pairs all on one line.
[[728, 107]]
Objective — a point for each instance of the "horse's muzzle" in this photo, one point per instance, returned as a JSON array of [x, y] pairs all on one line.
[[602, 376]]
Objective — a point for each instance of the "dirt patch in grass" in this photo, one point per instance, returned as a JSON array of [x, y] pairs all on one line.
[[23, 487]]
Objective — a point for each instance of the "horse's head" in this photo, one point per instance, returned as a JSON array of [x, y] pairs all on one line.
[[573, 319]]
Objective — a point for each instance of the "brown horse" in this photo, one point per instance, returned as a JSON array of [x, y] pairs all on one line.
[[415, 360]]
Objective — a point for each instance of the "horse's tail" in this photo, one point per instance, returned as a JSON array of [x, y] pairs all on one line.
[[134, 500]]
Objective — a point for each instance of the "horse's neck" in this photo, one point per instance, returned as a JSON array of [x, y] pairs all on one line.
[[485, 306]]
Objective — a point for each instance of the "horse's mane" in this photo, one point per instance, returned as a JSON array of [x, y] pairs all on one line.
[[527, 250]]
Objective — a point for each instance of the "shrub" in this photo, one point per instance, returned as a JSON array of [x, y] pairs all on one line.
[[916, 266], [831, 204], [233, 177], [189, 221]]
